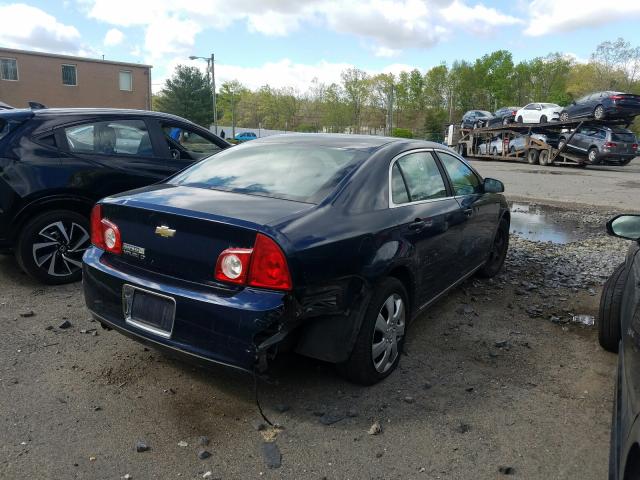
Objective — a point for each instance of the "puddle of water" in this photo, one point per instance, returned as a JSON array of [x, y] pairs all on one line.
[[537, 223]]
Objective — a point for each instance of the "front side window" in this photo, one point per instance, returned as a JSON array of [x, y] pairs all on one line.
[[305, 173], [8, 69], [531, 106], [126, 80], [185, 143], [463, 179], [119, 137], [69, 75], [421, 176]]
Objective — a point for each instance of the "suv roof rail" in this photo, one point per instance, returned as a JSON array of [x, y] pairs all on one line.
[[36, 106]]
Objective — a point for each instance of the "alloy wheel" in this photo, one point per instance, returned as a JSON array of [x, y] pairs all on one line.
[[388, 333], [58, 248], [598, 113]]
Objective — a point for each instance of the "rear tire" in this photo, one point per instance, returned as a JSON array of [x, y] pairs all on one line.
[[544, 157], [543, 119], [532, 156], [377, 333], [498, 252], [51, 245], [609, 329], [598, 112], [519, 120]]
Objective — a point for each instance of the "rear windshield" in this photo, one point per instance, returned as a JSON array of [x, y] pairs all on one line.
[[623, 137], [6, 126], [292, 172]]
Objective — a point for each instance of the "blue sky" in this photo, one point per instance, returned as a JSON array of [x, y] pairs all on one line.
[[290, 42]]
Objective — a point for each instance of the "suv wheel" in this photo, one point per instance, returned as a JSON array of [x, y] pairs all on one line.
[[376, 352], [50, 246], [593, 156]]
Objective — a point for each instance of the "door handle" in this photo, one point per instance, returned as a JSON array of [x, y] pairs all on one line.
[[417, 224], [468, 212]]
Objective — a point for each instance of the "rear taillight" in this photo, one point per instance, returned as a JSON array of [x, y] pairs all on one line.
[[610, 144], [616, 97], [514, 112], [233, 265], [634, 146], [104, 233], [263, 266]]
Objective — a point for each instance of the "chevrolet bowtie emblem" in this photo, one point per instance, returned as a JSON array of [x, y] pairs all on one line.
[[165, 231]]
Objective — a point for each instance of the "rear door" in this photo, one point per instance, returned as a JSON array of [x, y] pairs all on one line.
[[480, 212], [111, 155], [429, 220]]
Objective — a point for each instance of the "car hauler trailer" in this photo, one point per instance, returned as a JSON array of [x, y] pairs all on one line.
[[537, 144]]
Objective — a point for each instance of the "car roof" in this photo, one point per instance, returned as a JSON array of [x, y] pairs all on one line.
[[339, 140], [59, 112]]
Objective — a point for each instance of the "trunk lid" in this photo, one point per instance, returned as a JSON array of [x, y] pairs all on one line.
[[180, 231]]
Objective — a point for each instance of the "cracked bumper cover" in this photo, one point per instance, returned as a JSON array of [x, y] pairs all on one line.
[[235, 328]]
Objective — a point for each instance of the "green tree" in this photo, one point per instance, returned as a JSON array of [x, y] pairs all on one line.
[[187, 94], [356, 89], [228, 101]]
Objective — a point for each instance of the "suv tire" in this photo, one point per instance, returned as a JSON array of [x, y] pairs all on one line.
[[50, 246], [592, 155]]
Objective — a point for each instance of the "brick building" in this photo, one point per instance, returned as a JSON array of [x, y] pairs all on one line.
[[66, 81]]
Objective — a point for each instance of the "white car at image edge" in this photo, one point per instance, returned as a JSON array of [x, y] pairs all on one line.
[[538, 113]]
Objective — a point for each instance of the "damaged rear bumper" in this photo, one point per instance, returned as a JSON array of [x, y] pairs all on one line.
[[233, 327]]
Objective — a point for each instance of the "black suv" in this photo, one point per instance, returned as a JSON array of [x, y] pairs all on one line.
[[56, 163]]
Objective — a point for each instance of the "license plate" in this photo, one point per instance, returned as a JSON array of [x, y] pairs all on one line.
[[148, 310]]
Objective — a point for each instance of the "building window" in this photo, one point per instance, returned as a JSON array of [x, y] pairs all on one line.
[[126, 80], [8, 69], [69, 75]]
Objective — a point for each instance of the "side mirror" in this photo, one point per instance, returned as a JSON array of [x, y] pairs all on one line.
[[625, 226], [491, 185]]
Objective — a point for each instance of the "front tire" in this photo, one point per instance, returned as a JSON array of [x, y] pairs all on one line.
[[609, 329], [498, 252], [593, 156], [532, 156], [543, 119], [51, 245], [519, 120], [376, 352]]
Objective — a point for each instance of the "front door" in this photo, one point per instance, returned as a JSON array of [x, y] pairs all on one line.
[[480, 212]]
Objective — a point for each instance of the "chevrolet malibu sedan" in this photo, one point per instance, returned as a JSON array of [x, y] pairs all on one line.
[[619, 331], [327, 245]]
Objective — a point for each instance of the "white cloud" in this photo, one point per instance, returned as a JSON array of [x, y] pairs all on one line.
[[479, 18], [113, 37], [386, 52], [24, 26], [554, 16]]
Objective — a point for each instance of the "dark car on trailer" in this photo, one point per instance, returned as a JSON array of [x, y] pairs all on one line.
[[502, 116], [327, 245], [602, 144], [474, 118], [56, 163], [607, 105], [619, 331]]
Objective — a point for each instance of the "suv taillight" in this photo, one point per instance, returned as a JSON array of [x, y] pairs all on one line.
[[634, 146], [104, 233], [263, 266], [610, 144]]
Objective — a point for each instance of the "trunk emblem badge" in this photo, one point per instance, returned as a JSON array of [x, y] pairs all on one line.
[[165, 231]]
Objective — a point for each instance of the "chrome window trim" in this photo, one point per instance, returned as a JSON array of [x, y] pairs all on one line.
[[417, 202], [127, 303]]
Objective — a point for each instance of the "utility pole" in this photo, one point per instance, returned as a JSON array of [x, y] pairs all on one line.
[[213, 89]]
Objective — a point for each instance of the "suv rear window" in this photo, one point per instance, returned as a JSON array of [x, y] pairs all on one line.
[[623, 137], [300, 173]]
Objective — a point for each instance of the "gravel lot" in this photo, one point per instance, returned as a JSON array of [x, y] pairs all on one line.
[[497, 381]]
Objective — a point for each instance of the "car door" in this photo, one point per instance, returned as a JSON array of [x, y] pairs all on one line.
[[111, 155], [528, 113], [429, 219], [480, 211]]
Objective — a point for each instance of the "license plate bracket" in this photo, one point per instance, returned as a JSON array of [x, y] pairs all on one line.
[[148, 311]]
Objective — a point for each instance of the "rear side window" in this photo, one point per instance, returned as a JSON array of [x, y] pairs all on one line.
[[399, 192], [6, 126], [463, 179], [306, 173], [421, 177], [118, 137]]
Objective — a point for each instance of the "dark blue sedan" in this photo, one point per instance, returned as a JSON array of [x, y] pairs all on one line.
[[619, 331], [327, 245]]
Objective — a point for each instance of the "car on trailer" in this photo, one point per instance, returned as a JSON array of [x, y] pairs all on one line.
[[619, 331], [327, 245], [56, 163], [602, 144], [604, 105], [474, 118], [503, 116], [538, 113]]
